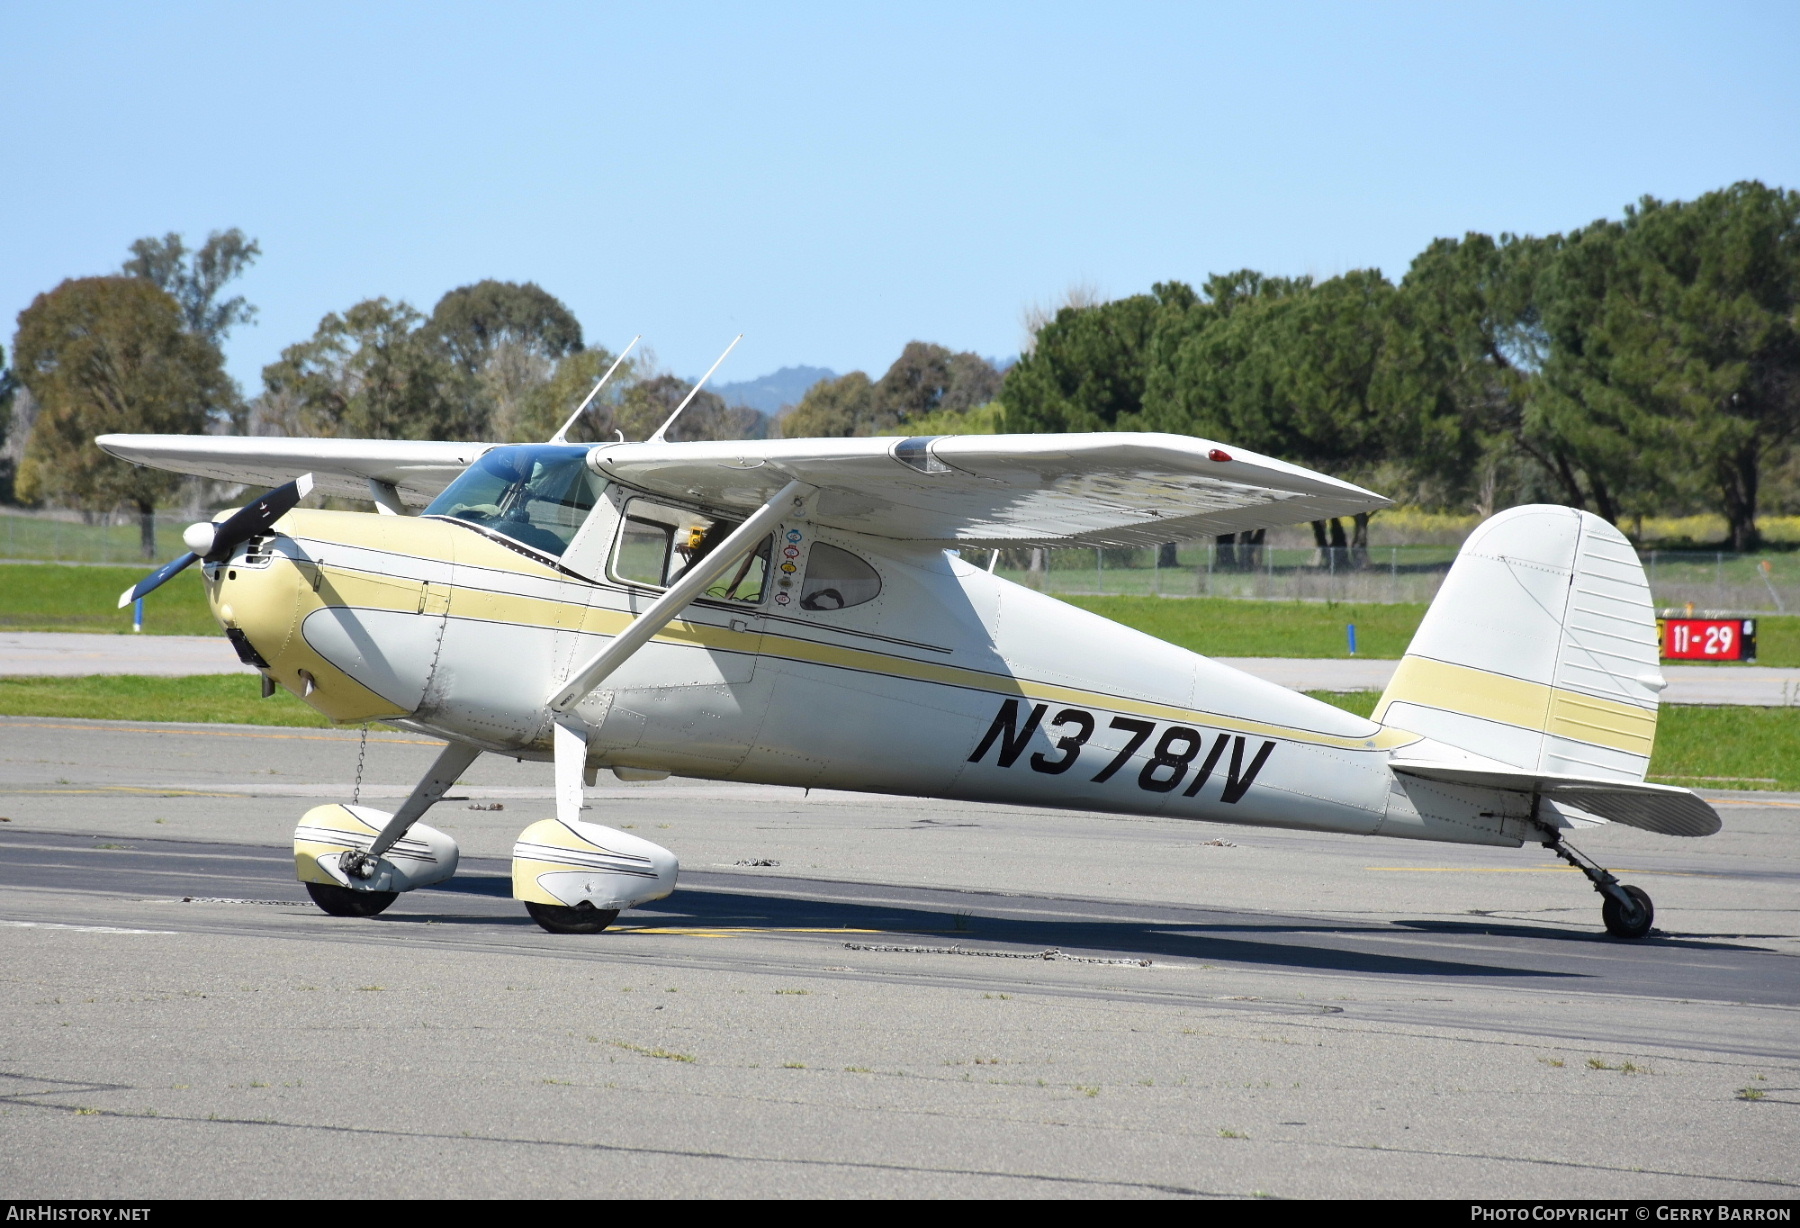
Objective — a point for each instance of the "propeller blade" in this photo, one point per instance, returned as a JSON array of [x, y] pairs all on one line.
[[236, 529], [158, 578], [255, 518]]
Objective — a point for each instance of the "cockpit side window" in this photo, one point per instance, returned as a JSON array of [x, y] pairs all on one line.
[[837, 580], [658, 543], [538, 495], [644, 550]]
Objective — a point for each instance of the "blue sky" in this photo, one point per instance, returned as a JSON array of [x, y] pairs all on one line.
[[836, 180]]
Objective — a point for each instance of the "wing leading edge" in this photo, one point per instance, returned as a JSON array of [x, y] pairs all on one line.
[[1098, 489], [418, 469]]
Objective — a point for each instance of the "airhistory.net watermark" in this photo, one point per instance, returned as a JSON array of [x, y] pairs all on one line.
[[62, 1213]]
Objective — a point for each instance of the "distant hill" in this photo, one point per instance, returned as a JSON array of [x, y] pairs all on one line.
[[773, 393]]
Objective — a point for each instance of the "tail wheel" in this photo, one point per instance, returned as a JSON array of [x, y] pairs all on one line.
[[1622, 922], [343, 902], [582, 919]]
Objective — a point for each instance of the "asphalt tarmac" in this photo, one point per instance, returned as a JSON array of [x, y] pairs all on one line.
[[864, 996]]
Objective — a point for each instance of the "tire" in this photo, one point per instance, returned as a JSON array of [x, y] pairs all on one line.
[[339, 901], [582, 919], [1623, 924]]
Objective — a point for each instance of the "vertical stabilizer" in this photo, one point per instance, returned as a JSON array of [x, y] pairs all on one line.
[[1539, 651]]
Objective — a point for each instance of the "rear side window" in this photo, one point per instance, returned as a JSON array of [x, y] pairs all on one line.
[[837, 580], [657, 543]]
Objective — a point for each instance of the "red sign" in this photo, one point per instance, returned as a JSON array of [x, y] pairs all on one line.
[[1707, 639]]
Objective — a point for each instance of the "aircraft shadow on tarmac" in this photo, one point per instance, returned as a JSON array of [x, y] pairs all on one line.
[[921, 916], [1174, 938], [1499, 929], [1480, 927]]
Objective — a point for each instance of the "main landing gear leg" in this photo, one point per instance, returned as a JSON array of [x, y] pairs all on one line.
[[573, 876], [363, 865], [1627, 910]]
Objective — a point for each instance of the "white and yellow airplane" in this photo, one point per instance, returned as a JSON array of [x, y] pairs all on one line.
[[792, 612]]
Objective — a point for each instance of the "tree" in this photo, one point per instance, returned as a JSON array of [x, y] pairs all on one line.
[[1676, 345], [833, 409], [1089, 367], [196, 283], [475, 321], [506, 339], [547, 405], [8, 386], [925, 383], [1469, 314], [927, 378], [373, 373], [1586, 420], [103, 355], [1303, 372], [647, 403]]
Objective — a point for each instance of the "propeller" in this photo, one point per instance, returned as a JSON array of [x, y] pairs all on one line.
[[215, 542]]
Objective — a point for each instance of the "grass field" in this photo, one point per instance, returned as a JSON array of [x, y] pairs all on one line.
[[1726, 747], [233, 699], [1222, 628], [54, 597]]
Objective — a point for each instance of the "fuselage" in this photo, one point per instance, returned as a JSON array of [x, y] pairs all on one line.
[[945, 682]]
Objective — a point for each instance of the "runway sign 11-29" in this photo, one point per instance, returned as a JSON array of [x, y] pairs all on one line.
[[1707, 639]]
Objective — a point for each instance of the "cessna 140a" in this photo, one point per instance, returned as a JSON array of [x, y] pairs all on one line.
[[792, 612]]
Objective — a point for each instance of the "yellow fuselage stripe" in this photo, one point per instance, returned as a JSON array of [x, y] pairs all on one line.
[[1526, 705], [362, 589]]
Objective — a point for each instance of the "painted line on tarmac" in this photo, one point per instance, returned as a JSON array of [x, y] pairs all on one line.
[[1534, 870], [1482, 869], [733, 931], [165, 730], [84, 929], [135, 790]]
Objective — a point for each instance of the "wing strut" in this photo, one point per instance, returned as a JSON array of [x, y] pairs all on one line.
[[693, 582], [451, 762]]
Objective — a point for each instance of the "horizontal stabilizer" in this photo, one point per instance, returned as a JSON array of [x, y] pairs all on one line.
[[1659, 808]]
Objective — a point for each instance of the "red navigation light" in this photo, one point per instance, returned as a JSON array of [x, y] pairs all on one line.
[[1218, 454]]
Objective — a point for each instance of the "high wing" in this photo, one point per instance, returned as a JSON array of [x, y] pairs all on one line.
[[418, 469], [1099, 489]]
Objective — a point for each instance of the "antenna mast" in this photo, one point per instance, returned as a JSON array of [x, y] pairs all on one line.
[[693, 392], [562, 432]]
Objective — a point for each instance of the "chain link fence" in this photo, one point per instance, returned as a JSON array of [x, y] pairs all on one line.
[[67, 537], [1706, 580]]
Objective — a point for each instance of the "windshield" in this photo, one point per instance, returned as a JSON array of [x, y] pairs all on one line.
[[537, 494]]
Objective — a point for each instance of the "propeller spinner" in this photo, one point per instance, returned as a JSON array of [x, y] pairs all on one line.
[[214, 543]]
